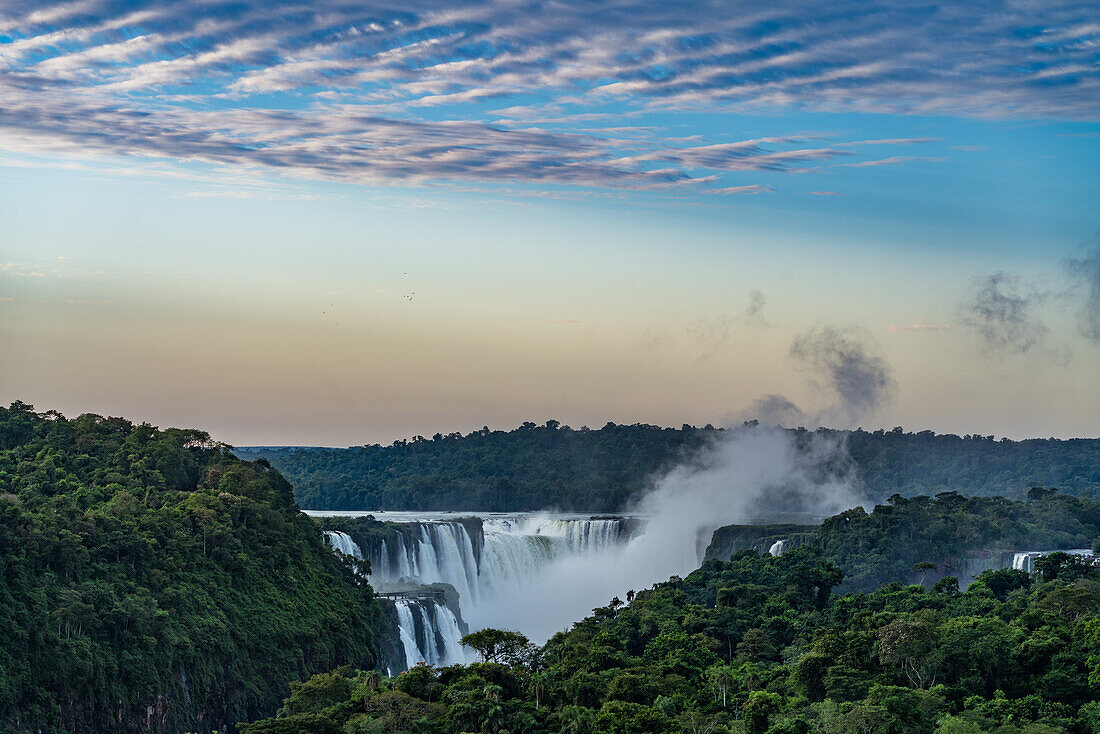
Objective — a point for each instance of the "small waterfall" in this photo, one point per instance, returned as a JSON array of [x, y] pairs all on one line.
[[777, 548], [429, 633], [1025, 560], [406, 629], [381, 565], [450, 637], [343, 543]]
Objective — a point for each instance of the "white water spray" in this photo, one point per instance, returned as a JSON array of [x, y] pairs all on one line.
[[743, 475]]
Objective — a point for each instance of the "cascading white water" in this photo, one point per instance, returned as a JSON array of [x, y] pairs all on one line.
[[511, 553], [513, 549], [342, 542], [777, 548], [429, 553], [507, 558], [429, 633], [446, 553], [446, 628], [1025, 560], [580, 536], [406, 628]]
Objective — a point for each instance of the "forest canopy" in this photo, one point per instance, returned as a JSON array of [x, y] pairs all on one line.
[[551, 466], [151, 581]]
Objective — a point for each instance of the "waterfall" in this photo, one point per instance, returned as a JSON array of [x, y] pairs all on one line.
[[1025, 560], [580, 535], [428, 553], [406, 629], [512, 549], [487, 562], [380, 567], [507, 559], [429, 633], [777, 548], [343, 543], [450, 637], [446, 553]]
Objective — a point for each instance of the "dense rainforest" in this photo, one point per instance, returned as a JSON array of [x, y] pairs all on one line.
[[151, 581], [760, 645], [551, 466], [959, 536]]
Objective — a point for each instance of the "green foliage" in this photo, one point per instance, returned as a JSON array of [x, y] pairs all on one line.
[[495, 645], [551, 465], [150, 579], [686, 656], [952, 535]]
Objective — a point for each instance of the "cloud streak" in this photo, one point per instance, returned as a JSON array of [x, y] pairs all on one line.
[[445, 91], [918, 325]]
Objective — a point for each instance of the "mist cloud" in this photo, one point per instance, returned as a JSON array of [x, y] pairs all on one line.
[[1085, 274], [843, 362], [1003, 312], [745, 474], [754, 313], [843, 367], [775, 410]]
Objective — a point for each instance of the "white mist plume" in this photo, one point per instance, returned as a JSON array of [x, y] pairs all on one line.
[[745, 474], [844, 367]]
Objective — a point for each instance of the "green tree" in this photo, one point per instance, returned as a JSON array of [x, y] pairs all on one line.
[[494, 645]]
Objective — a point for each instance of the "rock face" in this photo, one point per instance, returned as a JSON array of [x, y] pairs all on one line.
[[774, 539]]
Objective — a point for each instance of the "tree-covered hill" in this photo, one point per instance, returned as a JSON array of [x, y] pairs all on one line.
[[551, 466], [960, 536], [151, 581]]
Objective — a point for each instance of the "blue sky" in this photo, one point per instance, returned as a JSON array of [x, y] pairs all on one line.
[[336, 222]]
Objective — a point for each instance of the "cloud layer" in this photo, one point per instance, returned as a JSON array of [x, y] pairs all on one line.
[[445, 91]]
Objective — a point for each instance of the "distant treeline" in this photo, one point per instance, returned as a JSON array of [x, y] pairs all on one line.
[[553, 466]]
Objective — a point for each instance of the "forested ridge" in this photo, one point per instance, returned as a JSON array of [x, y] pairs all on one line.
[[151, 581], [551, 466], [760, 645], [960, 536]]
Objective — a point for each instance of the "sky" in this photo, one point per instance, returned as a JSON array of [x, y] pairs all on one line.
[[337, 223]]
